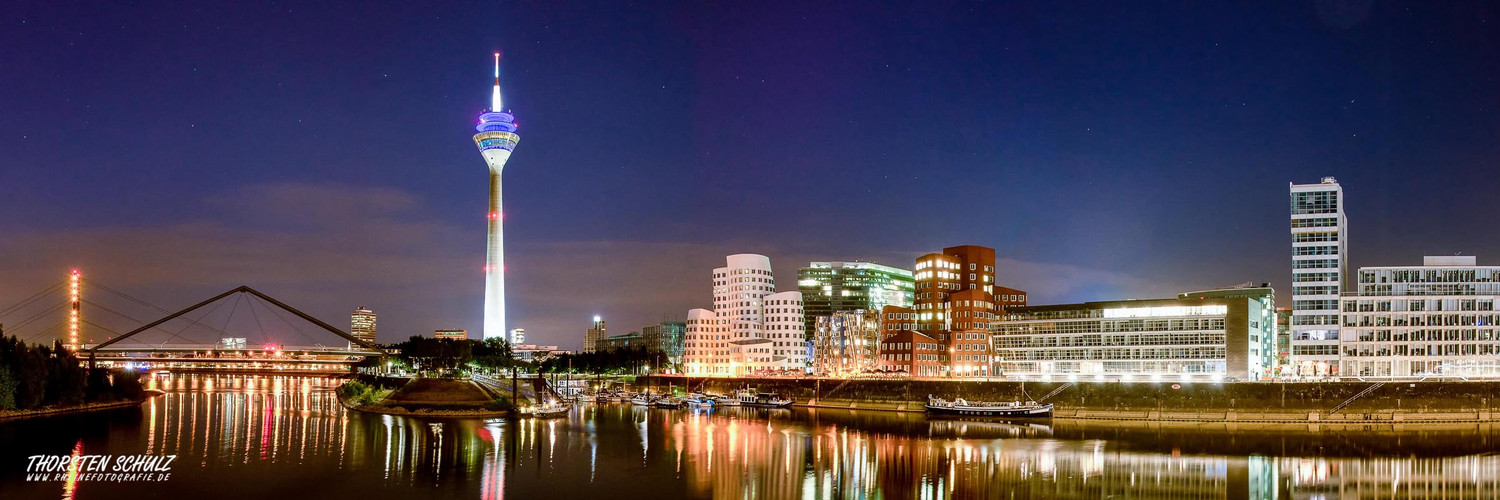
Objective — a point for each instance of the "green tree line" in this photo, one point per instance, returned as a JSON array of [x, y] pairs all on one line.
[[36, 376]]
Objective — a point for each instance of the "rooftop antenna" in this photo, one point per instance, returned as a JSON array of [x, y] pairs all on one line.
[[495, 96]]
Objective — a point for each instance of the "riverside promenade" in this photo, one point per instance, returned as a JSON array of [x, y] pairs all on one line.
[[1332, 403]]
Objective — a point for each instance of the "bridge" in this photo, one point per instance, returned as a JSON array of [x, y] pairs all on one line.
[[210, 340]]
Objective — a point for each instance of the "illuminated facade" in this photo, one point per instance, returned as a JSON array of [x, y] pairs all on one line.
[[362, 326], [594, 337], [496, 139], [1428, 321], [1319, 254], [450, 334], [830, 287], [1207, 336], [517, 336], [846, 343], [752, 329]]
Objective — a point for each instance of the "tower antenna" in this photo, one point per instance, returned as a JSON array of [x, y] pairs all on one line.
[[495, 96]]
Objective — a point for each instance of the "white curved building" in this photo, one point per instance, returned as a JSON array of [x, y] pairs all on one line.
[[751, 329]]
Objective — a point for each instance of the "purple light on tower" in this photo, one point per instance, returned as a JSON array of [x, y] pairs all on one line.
[[496, 139]]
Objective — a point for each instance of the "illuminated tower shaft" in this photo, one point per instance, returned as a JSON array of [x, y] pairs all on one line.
[[75, 313], [496, 139]]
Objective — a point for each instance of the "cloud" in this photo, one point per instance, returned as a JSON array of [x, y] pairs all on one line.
[[327, 248]]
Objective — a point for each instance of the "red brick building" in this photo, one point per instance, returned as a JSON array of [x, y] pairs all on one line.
[[912, 353], [956, 305]]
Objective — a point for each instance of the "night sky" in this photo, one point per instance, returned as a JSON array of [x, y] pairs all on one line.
[[322, 153]]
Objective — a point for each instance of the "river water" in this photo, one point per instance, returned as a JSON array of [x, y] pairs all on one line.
[[259, 437]]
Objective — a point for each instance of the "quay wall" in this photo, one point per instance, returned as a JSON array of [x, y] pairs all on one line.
[[1392, 402]]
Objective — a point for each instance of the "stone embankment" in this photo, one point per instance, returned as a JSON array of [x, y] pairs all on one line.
[[1251, 402]]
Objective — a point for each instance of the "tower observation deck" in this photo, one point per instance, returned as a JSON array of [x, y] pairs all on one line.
[[496, 139]]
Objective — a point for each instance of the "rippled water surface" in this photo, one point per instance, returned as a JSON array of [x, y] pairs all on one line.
[[240, 436]]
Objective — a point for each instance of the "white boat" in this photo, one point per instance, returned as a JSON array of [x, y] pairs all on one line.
[[550, 409], [726, 400], [752, 397], [642, 399], [1009, 409], [697, 400], [666, 402]]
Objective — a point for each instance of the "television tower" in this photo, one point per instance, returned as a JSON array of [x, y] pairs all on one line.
[[496, 139]]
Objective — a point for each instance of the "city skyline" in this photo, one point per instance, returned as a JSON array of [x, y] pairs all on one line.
[[640, 176]]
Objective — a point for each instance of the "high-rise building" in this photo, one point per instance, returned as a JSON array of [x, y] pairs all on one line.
[[517, 336], [594, 336], [1320, 239], [451, 334], [846, 343], [1429, 321], [496, 139], [362, 326], [830, 287], [752, 329]]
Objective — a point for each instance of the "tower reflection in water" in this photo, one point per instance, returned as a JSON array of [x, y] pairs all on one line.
[[225, 424]]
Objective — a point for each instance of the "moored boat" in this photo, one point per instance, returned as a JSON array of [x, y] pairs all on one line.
[[752, 397], [1005, 409], [666, 402], [550, 409], [726, 400]]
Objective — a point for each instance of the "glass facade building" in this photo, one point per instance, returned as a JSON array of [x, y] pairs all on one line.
[[830, 287]]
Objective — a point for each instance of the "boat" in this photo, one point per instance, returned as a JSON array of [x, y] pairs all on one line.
[[960, 407], [666, 402], [726, 400], [751, 397], [696, 400], [641, 399], [550, 409]]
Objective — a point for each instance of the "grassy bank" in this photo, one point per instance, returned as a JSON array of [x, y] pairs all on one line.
[[423, 397]]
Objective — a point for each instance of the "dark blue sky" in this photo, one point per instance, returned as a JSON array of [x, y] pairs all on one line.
[[1106, 150]]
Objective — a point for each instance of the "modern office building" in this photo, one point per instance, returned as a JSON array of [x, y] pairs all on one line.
[[1436, 320], [752, 329], [362, 326], [530, 352], [1320, 235], [517, 336], [830, 287], [846, 343], [1284, 366], [451, 334], [594, 335], [1202, 336], [1264, 330], [496, 139], [616, 342], [666, 337]]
